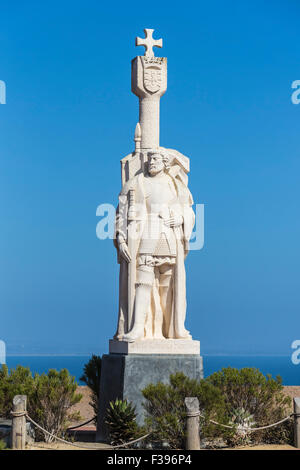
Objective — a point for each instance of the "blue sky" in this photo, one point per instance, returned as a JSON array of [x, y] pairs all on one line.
[[70, 118]]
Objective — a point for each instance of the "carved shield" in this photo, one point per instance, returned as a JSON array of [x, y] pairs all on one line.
[[152, 79]]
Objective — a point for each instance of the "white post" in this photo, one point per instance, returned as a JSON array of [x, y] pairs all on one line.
[[18, 433], [192, 423], [297, 422]]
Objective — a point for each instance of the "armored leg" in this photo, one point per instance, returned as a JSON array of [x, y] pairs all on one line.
[[166, 297], [144, 283]]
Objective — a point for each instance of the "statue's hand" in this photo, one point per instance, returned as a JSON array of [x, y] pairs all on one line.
[[174, 221], [124, 252]]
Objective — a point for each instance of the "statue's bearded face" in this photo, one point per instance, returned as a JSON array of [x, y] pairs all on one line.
[[155, 164]]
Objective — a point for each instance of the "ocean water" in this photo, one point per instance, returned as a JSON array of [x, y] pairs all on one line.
[[274, 365]]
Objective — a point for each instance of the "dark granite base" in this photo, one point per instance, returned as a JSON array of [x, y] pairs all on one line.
[[124, 376]]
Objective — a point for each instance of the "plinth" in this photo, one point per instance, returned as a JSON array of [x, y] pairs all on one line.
[[130, 367]]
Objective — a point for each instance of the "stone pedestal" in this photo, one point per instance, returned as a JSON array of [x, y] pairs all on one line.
[[123, 376], [155, 346]]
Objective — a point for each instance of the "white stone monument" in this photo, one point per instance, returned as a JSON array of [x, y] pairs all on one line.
[[153, 226]]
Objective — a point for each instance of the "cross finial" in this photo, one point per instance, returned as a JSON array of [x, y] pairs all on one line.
[[148, 42]]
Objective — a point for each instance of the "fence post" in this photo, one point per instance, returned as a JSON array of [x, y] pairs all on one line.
[[297, 422], [192, 423], [18, 432]]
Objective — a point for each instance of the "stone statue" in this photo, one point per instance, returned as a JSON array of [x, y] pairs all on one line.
[[154, 222], [165, 221], [154, 218]]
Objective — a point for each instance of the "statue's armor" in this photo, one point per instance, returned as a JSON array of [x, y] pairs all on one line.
[[157, 238]]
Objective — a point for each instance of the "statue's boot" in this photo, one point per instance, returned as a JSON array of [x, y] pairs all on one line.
[[142, 302], [184, 336]]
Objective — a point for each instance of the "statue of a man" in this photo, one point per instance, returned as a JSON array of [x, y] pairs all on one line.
[[165, 220]]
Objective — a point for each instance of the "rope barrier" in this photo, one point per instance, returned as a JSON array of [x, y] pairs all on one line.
[[18, 414], [131, 442], [192, 414], [82, 446], [220, 424], [253, 429], [125, 444], [80, 425]]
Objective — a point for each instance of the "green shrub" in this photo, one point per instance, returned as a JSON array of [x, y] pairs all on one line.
[[259, 396], [2, 445], [166, 412], [49, 397], [121, 421], [17, 381], [238, 398], [54, 394], [91, 377]]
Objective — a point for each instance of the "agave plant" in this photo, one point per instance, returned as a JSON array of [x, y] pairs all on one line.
[[121, 421], [243, 421]]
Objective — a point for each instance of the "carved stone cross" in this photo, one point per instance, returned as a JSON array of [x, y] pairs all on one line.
[[148, 42]]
